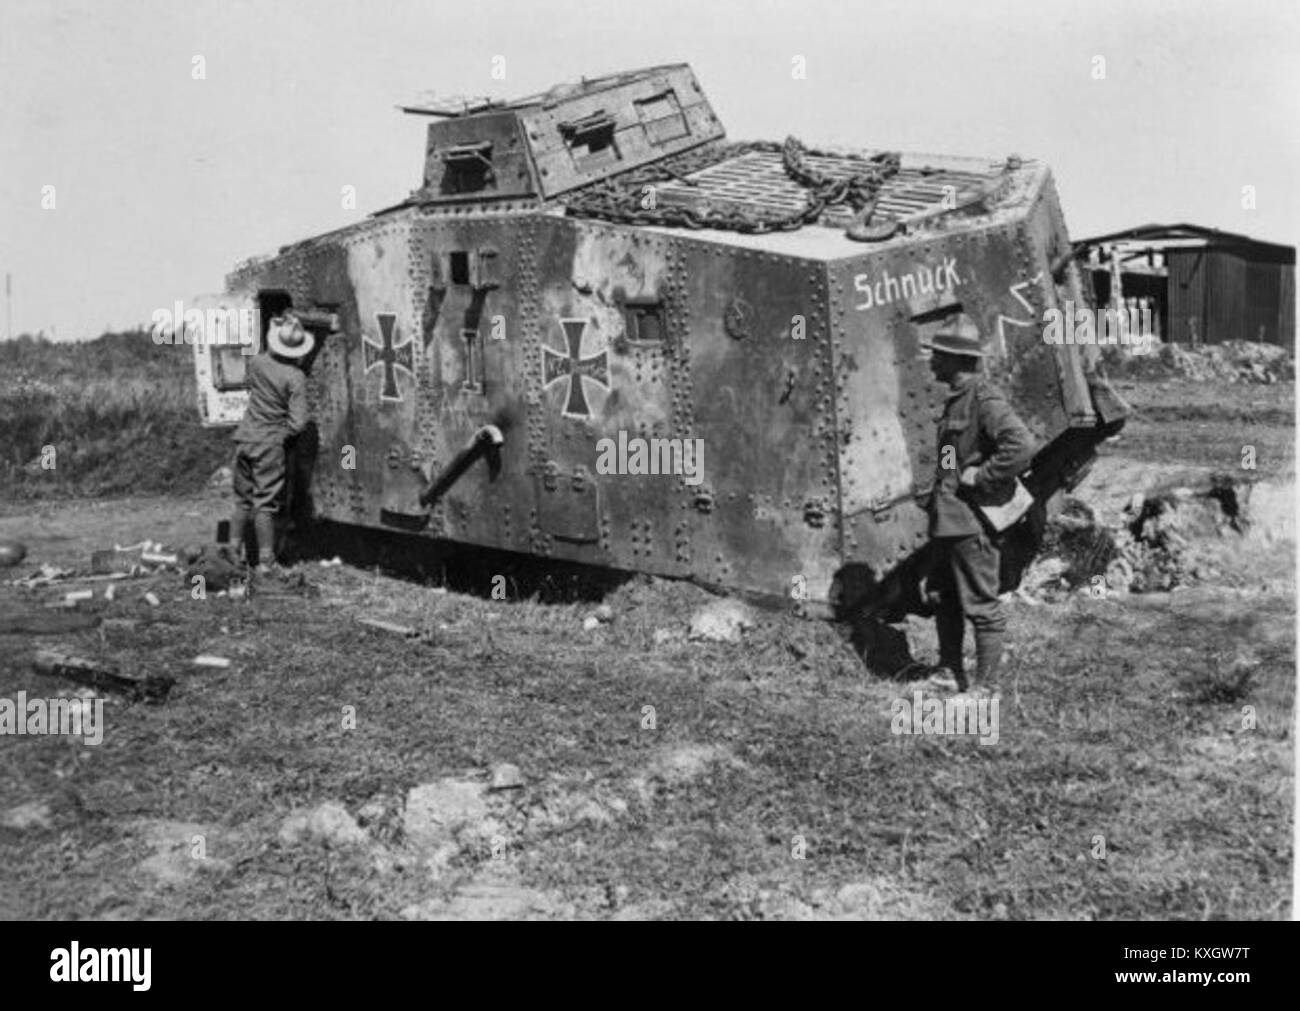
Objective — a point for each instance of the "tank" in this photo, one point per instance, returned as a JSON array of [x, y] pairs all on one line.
[[599, 332]]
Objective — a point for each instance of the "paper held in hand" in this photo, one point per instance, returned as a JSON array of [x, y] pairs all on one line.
[[999, 517]]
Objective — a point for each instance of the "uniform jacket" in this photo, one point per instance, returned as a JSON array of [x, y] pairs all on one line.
[[985, 433], [277, 402]]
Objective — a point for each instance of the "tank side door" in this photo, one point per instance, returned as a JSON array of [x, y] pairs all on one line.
[[384, 359], [603, 399], [223, 331], [472, 277], [762, 402]]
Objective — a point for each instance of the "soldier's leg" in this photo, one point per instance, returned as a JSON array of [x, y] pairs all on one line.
[[268, 481], [948, 621], [264, 524], [242, 479], [975, 570]]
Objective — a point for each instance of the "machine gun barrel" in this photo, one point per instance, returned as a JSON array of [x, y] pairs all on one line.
[[487, 440]]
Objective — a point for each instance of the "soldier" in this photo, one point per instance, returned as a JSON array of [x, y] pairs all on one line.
[[277, 410], [983, 446]]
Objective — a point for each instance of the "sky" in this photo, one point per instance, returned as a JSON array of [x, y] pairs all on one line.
[[163, 179]]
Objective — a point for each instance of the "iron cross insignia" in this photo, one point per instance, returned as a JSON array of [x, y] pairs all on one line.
[[390, 355], [557, 366]]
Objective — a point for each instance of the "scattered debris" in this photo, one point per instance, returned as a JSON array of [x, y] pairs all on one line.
[[1154, 547], [722, 621], [217, 566], [114, 561], [102, 676], [42, 622], [506, 776], [1230, 361], [133, 560], [405, 631], [280, 584], [44, 575]]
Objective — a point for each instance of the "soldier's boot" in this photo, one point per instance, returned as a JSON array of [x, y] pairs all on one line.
[[238, 532], [264, 525], [950, 625], [988, 650]]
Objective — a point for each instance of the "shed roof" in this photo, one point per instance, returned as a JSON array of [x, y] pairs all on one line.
[[1184, 235]]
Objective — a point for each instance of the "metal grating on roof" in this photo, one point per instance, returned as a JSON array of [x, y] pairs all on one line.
[[756, 181]]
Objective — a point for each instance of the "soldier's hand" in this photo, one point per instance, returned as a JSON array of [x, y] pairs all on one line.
[[968, 477]]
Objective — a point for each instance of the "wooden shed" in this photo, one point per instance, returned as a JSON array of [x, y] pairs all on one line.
[[1200, 284]]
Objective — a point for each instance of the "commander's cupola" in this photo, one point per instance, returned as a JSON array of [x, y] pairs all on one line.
[[539, 147]]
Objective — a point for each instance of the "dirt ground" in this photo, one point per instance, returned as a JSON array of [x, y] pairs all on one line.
[[503, 763]]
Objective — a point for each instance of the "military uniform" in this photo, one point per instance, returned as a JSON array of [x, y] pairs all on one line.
[[277, 411], [978, 429]]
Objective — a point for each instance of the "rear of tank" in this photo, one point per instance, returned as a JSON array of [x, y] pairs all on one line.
[[1005, 268]]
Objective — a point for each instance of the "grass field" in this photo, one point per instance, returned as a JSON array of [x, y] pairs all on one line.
[[1128, 781], [118, 414]]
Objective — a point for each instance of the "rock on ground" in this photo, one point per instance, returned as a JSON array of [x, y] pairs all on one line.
[[436, 812], [1270, 511], [328, 823], [33, 814], [180, 850], [722, 621]]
